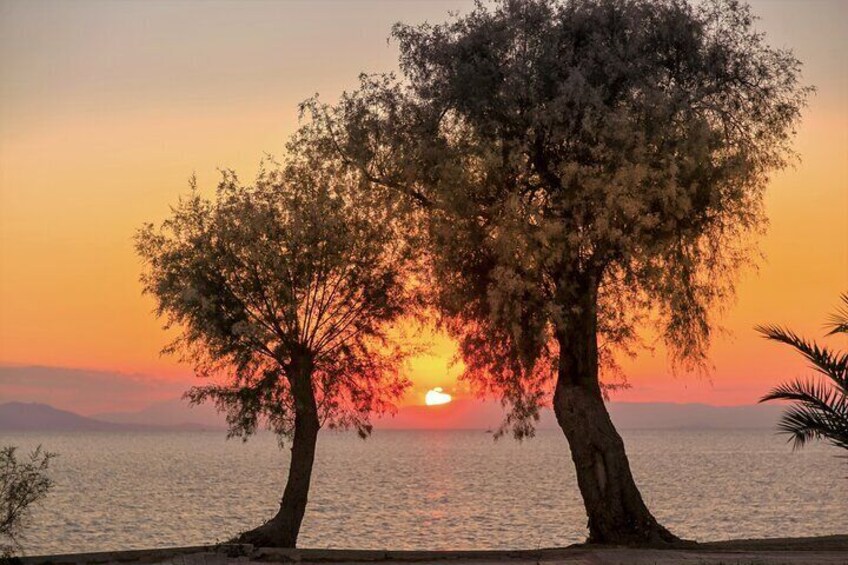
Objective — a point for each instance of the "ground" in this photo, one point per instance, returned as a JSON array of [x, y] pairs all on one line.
[[829, 550]]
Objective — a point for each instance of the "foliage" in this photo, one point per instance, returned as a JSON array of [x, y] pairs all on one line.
[[303, 268], [820, 409], [610, 149], [23, 482]]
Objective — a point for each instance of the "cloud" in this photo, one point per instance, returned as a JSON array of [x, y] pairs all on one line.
[[86, 391]]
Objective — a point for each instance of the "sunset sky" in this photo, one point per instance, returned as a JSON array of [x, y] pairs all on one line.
[[106, 109]]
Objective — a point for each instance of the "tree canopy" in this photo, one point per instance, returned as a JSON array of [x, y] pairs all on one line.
[[303, 264], [610, 149]]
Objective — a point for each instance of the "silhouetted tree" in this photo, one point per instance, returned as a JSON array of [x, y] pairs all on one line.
[[23, 482], [820, 409], [282, 292], [585, 165]]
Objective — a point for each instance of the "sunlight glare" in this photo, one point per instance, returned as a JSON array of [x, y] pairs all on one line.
[[435, 397]]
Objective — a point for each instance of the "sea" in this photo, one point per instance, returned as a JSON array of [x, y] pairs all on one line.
[[421, 489]]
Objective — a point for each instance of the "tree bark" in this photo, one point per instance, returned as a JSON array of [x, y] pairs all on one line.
[[282, 530], [617, 514]]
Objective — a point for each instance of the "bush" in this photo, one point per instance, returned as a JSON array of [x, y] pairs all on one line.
[[22, 483]]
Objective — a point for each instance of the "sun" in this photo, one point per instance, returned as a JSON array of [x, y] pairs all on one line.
[[435, 397]]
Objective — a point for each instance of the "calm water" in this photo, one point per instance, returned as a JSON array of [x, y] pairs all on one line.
[[422, 489]]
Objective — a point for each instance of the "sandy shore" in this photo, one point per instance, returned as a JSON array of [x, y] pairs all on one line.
[[829, 550]]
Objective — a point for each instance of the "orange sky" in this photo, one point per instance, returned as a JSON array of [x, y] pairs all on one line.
[[107, 108]]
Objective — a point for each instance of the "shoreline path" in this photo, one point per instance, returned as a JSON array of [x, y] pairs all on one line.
[[827, 550]]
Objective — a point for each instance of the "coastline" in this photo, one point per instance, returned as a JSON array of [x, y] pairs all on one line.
[[823, 550]]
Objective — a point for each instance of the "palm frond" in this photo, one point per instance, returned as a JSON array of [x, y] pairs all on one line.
[[820, 407], [820, 412], [830, 363], [838, 321], [804, 424], [813, 393]]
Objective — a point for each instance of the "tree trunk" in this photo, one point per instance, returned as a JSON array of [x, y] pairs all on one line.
[[282, 530], [617, 514]]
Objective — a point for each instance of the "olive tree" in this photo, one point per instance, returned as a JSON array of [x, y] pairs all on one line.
[[587, 167], [282, 292]]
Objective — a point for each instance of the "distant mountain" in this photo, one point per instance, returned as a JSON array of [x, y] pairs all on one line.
[[25, 416], [459, 414], [668, 415], [22, 416], [176, 412], [86, 391], [470, 414]]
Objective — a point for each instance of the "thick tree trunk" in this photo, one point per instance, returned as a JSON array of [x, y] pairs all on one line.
[[282, 530], [617, 514]]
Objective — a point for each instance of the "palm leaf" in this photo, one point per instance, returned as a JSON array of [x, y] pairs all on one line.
[[804, 424], [838, 322], [811, 392], [820, 407], [833, 364], [820, 412]]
